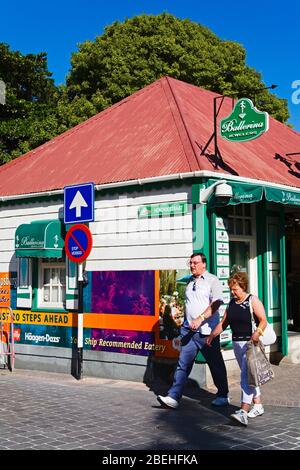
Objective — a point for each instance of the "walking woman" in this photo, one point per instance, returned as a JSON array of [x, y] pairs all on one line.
[[238, 317]]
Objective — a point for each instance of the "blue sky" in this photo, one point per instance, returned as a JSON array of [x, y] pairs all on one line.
[[269, 32]]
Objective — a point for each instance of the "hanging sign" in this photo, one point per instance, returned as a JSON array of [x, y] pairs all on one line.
[[244, 123]]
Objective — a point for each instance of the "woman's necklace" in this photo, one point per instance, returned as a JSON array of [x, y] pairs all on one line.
[[241, 301]]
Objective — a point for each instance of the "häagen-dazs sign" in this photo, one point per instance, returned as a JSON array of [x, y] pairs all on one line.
[[244, 123]]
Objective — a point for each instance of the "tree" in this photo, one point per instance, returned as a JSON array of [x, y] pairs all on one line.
[[127, 57], [30, 96], [134, 53], [35, 109]]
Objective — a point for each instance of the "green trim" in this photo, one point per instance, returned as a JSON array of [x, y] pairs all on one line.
[[260, 248], [276, 319], [23, 296], [200, 225], [196, 193], [24, 253], [198, 222], [201, 239], [283, 283], [71, 296], [213, 251], [200, 359], [276, 211], [35, 283]]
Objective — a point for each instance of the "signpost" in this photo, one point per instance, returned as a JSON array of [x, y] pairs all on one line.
[[78, 245], [79, 207]]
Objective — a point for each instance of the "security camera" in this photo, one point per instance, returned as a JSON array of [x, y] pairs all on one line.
[[223, 191]]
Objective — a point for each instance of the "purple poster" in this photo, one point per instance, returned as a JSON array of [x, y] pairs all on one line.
[[123, 292], [123, 341]]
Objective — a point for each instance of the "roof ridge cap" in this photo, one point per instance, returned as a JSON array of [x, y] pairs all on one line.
[[188, 151]]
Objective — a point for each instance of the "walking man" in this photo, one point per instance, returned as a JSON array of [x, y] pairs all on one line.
[[203, 298]]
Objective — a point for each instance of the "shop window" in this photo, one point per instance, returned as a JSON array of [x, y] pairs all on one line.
[[24, 283], [52, 285], [240, 220]]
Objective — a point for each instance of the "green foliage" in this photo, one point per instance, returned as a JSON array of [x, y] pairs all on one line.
[[30, 95], [124, 59], [132, 54]]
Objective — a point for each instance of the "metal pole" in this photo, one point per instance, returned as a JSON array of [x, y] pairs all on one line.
[[215, 126], [80, 322]]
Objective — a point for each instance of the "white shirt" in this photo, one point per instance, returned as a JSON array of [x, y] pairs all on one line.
[[200, 293]]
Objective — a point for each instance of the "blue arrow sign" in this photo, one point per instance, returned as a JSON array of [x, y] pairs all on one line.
[[79, 203]]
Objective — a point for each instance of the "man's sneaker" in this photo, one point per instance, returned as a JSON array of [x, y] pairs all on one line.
[[241, 417], [257, 410], [221, 401], [167, 401]]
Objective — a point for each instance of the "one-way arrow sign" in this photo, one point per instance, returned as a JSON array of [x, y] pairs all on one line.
[[79, 203]]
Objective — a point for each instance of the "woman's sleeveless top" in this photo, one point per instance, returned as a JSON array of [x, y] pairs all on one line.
[[239, 318]]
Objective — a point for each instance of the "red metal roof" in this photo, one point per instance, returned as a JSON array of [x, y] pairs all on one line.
[[157, 131]]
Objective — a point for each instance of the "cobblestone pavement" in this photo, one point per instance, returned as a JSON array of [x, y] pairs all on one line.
[[284, 390], [54, 411]]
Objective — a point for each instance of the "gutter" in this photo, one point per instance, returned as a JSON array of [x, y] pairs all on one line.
[[157, 179]]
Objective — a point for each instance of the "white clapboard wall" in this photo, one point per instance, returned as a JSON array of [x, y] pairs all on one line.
[[121, 241]]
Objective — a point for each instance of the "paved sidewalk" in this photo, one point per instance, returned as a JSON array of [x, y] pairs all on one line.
[[54, 411], [284, 390]]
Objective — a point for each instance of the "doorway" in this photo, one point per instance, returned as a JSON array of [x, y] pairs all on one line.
[[242, 242], [292, 248]]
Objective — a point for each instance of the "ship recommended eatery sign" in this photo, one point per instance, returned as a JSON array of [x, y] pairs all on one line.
[[244, 123]]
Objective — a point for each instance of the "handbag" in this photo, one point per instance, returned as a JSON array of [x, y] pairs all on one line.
[[269, 336], [259, 370]]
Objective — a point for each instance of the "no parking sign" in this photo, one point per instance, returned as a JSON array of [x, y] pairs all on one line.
[[78, 243]]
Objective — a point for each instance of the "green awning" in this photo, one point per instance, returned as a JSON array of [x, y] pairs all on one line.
[[40, 239], [244, 193], [291, 198]]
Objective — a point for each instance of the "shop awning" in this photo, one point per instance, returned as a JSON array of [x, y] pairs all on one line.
[[40, 239], [291, 198], [244, 193]]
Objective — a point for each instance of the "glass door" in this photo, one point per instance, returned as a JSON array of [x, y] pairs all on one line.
[[239, 255], [242, 242]]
